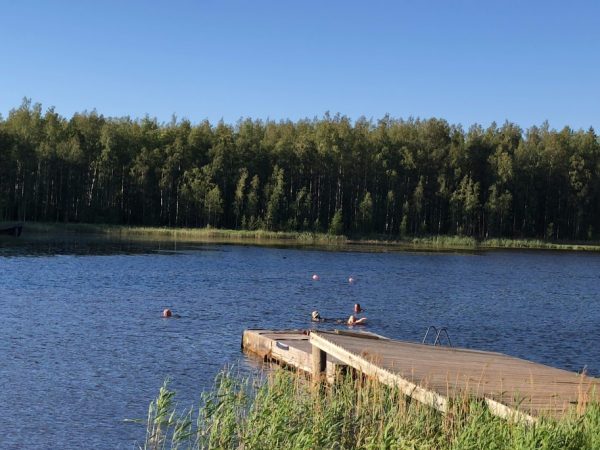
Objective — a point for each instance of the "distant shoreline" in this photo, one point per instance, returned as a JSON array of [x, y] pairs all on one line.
[[263, 237]]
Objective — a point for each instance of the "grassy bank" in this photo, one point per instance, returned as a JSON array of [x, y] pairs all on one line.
[[184, 234], [304, 238], [285, 412], [500, 243]]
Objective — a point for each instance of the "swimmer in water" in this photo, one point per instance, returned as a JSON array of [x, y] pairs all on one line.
[[352, 320], [358, 309], [316, 317], [168, 314]]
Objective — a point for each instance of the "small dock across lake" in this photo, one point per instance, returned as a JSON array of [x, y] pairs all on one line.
[[511, 387]]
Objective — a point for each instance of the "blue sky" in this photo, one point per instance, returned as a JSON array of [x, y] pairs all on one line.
[[464, 61]]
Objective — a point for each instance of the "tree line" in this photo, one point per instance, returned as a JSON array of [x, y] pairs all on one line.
[[388, 177]]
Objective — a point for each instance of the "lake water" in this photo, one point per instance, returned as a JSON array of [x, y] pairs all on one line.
[[83, 346]]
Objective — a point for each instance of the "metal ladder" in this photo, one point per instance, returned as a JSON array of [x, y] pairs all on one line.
[[438, 334]]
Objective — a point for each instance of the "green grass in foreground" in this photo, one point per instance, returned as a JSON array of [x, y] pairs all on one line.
[[286, 412]]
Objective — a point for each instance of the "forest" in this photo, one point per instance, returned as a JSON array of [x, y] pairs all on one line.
[[389, 177]]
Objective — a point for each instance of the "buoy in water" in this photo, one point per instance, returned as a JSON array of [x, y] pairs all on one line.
[[316, 277], [167, 312]]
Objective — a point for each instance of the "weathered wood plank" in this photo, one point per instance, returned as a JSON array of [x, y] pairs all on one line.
[[288, 348], [511, 387], [430, 398], [319, 363]]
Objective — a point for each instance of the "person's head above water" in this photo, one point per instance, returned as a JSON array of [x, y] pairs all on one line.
[[315, 315], [352, 320], [357, 308], [167, 312]]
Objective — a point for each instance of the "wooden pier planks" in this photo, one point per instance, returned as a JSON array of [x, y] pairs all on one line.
[[510, 386], [289, 347]]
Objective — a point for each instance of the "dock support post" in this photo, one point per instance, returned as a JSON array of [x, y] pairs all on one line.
[[319, 363]]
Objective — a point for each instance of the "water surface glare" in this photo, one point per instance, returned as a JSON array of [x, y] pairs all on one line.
[[83, 346]]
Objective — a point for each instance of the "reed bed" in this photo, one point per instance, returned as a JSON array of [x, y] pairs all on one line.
[[215, 233], [441, 242], [187, 234], [284, 411], [265, 237], [538, 244]]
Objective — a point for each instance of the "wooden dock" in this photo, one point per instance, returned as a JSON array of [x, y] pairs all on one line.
[[289, 348], [511, 387]]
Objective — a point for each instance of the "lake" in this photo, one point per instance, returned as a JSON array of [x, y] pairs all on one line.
[[83, 345]]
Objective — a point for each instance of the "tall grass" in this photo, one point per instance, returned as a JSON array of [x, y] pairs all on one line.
[[441, 242], [266, 237], [286, 412], [184, 234]]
